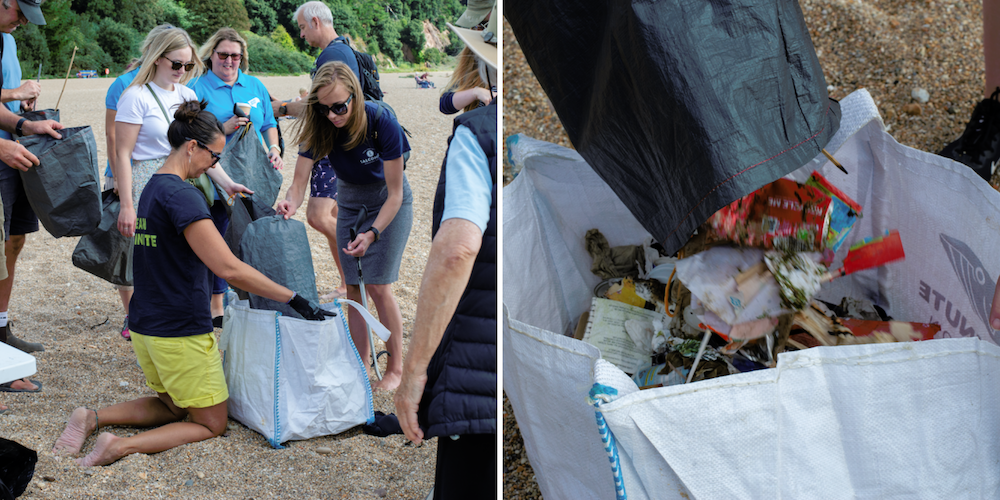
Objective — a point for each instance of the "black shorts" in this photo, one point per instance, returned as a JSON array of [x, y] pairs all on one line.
[[466, 467], [18, 216]]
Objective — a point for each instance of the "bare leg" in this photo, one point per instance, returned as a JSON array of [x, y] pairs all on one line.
[[12, 249], [205, 423], [991, 44], [125, 293], [359, 335], [390, 316], [142, 412], [216, 306], [322, 216]]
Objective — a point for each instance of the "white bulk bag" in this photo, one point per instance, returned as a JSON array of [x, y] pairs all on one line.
[[798, 431], [290, 378]]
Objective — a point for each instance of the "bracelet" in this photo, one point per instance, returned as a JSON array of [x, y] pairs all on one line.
[[293, 297], [17, 129], [375, 230], [274, 146]]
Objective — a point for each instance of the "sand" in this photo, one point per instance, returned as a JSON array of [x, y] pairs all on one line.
[[87, 363]]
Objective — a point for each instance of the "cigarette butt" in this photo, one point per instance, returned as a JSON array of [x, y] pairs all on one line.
[[834, 161]]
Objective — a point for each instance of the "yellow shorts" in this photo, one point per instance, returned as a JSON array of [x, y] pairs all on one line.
[[188, 369]]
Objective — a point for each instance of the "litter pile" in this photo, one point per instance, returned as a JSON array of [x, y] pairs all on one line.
[[741, 290]]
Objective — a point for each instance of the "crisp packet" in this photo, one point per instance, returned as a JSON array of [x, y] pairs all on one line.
[[843, 213], [783, 215]]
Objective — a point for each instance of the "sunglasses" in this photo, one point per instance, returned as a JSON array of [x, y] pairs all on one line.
[[215, 156], [176, 65], [223, 56], [338, 108]]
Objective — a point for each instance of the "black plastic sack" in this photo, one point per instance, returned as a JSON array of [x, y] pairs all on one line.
[[105, 252], [681, 107], [279, 249], [41, 115], [245, 160], [64, 189], [17, 466]]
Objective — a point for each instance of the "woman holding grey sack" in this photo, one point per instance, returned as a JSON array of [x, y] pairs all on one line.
[[144, 113], [367, 156], [224, 86], [176, 244]]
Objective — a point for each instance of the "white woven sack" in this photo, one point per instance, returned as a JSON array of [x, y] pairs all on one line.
[[547, 285], [293, 379]]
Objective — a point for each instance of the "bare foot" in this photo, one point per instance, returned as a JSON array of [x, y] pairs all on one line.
[[3, 408], [390, 381], [23, 385], [82, 423], [105, 452]]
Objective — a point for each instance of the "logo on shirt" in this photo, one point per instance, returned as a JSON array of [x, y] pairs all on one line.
[[370, 156], [254, 102]]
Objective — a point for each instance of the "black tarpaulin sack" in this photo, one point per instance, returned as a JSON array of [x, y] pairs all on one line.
[[17, 466], [681, 107], [279, 249], [41, 115], [64, 189], [245, 160], [105, 252]]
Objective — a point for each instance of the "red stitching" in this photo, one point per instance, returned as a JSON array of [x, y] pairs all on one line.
[[741, 172]]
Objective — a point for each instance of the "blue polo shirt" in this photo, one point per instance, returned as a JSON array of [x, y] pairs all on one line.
[[222, 97], [363, 164], [11, 80], [115, 92], [337, 50], [468, 189]]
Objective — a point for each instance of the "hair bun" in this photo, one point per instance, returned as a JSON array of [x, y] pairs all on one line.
[[188, 111]]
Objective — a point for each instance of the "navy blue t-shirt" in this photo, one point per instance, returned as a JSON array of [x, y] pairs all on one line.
[[172, 289], [337, 50], [363, 164]]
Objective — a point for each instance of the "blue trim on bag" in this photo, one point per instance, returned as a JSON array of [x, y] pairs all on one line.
[[603, 394], [364, 370], [275, 443]]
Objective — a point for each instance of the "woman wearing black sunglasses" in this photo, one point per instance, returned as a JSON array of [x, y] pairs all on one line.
[[172, 327], [367, 156], [145, 111]]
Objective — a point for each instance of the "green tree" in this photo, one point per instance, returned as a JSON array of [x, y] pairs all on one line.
[[173, 13], [207, 16], [413, 35], [387, 34], [281, 37], [432, 56], [31, 50], [345, 20], [269, 57], [263, 18], [117, 40]]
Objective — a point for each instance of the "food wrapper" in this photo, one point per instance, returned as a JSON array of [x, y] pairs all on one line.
[[782, 215], [843, 213]]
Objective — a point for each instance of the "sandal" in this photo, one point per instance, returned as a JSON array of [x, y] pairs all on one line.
[[125, 333], [8, 387]]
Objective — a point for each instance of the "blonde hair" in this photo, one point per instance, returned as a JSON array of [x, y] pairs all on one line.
[[157, 45], [315, 131], [466, 76], [229, 35]]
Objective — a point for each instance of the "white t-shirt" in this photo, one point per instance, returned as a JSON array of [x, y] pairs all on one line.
[[137, 106]]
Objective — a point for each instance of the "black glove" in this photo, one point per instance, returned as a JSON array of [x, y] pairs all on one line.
[[307, 310]]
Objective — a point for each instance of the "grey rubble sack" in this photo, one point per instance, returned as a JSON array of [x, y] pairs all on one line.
[[64, 189], [279, 249]]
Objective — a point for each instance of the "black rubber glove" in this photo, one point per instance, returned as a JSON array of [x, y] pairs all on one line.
[[303, 307]]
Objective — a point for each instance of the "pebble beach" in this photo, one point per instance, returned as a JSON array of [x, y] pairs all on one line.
[[87, 363], [921, 61]]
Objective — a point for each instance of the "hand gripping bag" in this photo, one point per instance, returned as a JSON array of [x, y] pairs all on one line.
[[104, 252], [246, 162], [279, 249], [294, 379], [64, 189]]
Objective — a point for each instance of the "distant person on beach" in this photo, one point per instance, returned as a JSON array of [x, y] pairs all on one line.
[[338, 123], [18, 217], [222, 86], [171, 325], [466, 90], [449, 379], [111, 111], [424, 82], [979, 145], [316, 26]]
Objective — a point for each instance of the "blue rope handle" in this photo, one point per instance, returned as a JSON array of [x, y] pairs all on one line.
[[600, 394], [275, 441]]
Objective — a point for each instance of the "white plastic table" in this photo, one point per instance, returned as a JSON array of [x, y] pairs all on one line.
[[15, 364]]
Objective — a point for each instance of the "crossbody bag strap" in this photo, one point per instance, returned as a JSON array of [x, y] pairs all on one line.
[[165, 116], [203, 183]]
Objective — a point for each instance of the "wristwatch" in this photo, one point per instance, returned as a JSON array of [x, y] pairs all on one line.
[[17, 129], [374, 230], [283, 110]]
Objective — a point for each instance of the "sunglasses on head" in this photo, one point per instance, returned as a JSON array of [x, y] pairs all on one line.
[[176, 65], [338, 108], [223, 56], [215, 156]]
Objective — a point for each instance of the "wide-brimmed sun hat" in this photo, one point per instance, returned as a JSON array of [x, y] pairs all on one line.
[[482, 43]]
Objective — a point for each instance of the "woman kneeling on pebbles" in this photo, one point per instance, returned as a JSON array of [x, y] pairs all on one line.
[[170, 320]]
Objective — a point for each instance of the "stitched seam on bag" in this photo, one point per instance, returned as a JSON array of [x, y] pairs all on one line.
[[361, 363], [741, 172], [545, 342], [276, 440]]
